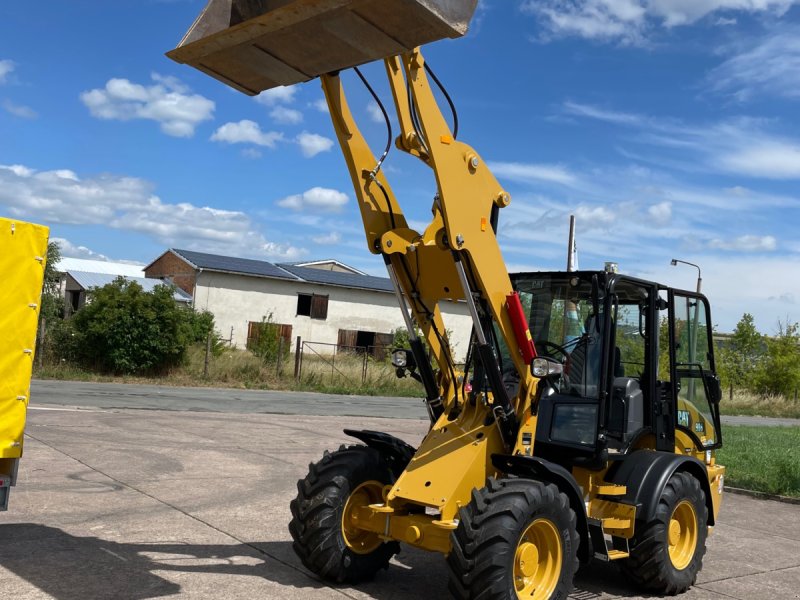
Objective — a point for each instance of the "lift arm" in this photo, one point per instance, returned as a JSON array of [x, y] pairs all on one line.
[[457, 257]]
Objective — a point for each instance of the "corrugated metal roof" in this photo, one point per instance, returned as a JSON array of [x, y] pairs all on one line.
[[350, 280], [67, 263], [90, 280], [230, 264]]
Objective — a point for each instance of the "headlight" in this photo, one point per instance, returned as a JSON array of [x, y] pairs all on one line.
[[400, 358], [545, 367]]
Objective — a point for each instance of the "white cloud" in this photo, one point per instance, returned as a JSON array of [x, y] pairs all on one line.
[[529, 172], [128, 203], [601, 114], [19, 110], [770, 66], [278, 95], [287, 116], [630, 21], [661, 213], [319, 198], [246, 132], [6, 67], [312, 144], [330, 239], [738, 146], [374, 112], [746, 243], [69, 249], [166, 102], [320, 105], [764, 157], [252, 153]]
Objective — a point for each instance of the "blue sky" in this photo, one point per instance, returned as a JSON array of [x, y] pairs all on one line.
[[668, 127]]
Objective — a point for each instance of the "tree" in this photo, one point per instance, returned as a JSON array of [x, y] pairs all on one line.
[[123, 329], [52, 302], [741, 357], [780, 369]]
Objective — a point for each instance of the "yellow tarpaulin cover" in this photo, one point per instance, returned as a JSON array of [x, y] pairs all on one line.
[[23, 252]]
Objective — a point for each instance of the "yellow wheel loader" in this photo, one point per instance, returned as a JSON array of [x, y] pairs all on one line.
[[585, 420], [23, 255]]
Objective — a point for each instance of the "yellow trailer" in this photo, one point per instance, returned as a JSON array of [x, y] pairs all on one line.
[[23, 254]]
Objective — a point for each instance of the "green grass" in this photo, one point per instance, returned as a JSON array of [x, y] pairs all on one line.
[[762, 459], [242, 369]]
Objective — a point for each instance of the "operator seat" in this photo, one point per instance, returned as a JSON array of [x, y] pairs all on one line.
[[586, 361]]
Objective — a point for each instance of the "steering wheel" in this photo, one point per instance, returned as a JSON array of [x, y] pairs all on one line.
[[544, 344]]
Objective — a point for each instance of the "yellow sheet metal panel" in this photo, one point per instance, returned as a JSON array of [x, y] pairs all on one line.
[[23, 253]]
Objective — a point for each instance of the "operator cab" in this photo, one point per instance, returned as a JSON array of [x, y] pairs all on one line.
[[638, 363]]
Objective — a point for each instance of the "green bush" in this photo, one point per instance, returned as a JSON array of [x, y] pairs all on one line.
[[123, 329], [265, 341]]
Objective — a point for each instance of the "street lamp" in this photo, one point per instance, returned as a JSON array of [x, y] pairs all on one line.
[[674, 262]]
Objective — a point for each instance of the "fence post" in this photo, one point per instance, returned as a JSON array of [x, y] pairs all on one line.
[[280, 356], [297, 359], [42, 330], [208, 353], [364, 369]]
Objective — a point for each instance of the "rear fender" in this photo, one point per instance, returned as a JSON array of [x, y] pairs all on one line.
[[646, 472]]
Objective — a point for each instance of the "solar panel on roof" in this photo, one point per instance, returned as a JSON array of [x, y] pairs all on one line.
[[351, 280], [246, 266]]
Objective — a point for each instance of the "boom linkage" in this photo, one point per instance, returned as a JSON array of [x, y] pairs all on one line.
[[457, 257]]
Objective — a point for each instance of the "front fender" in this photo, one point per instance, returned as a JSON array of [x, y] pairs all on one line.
[[397, 453], [532, 467]]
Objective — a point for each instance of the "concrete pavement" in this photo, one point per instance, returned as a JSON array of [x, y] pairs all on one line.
[[136, 504]]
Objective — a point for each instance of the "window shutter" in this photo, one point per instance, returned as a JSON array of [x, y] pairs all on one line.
[[347, 338], [319, 307], [383, 343]]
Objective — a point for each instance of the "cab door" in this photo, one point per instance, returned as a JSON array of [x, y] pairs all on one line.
[[695, 385]]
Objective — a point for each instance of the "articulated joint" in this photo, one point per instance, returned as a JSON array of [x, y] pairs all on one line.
[[420, 530]]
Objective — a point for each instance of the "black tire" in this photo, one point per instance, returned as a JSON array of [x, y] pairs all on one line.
[[316, 525], [485, 543], [650, 565]]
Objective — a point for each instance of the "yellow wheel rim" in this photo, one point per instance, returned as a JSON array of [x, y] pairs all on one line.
[[538, 560], [682, 535], [355, 538]]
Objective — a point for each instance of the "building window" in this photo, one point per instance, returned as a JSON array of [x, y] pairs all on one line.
[[312, 305]]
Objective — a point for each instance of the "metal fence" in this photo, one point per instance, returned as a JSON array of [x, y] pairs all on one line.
[[332, 362]]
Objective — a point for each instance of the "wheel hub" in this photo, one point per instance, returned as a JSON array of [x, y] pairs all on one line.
[[538, 560], [527, 559], [682, 535], [674, 532], [356, 539]]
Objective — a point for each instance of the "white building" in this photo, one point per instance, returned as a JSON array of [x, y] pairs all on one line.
[[325, 302]]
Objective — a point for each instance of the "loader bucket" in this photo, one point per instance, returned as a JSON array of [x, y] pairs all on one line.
[[255, 45]]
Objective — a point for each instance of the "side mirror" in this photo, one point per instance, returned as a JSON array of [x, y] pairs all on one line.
[[713, 388], [546, 367]]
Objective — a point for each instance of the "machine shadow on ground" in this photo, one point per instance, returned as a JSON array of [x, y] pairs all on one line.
[[69, 567]]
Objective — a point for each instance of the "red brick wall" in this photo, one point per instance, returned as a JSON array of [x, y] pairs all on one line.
[[172, 267]]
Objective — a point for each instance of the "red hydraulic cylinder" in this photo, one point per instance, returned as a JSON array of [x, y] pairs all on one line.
[[520, 325]]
